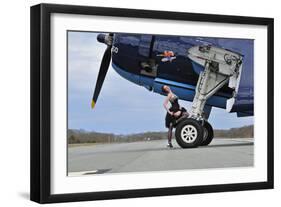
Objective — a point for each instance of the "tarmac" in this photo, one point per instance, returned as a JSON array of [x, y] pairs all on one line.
[[155, 156]]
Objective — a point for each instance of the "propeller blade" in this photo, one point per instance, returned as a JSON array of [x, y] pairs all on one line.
[[102, 73]]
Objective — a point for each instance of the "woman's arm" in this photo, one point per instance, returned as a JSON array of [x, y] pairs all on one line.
[[165, 104]]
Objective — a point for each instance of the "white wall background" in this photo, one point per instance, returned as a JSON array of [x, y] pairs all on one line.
[[14, 104]]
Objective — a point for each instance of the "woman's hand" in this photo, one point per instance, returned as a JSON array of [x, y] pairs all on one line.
[[171, 113]]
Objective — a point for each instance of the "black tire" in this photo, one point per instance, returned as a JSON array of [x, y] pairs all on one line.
[[208, 134], [189, 133]]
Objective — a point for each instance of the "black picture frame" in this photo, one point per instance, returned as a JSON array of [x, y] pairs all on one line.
[[41, 95]]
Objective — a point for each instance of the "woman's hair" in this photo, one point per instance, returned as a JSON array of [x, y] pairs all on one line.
[[163, 89]]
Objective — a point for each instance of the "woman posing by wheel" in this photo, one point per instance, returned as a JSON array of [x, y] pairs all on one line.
[[173, 112]]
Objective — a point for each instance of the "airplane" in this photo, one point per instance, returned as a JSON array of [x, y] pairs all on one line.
[[207, 71]]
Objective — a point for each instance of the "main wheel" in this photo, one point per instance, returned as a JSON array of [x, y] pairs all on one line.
[[208, 134], [189, 133]]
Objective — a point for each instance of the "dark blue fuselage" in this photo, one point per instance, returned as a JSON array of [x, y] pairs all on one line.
[[140, 59]]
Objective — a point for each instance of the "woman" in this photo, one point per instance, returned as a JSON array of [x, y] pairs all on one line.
[[173, 113]]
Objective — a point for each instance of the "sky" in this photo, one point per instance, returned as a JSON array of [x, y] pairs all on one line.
[[122, 107]]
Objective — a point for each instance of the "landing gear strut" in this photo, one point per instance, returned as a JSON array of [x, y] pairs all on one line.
[[221, 67]]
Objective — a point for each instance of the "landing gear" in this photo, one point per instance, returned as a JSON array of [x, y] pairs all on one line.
[[221, 67]]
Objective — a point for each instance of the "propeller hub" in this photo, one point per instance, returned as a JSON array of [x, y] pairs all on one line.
[[105, 38], [101, 38]]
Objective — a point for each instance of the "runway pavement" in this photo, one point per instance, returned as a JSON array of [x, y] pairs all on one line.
[[155, 156]]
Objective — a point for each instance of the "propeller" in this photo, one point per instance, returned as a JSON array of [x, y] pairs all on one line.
[[107, 39]]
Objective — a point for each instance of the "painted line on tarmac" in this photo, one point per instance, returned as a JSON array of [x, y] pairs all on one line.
[[85, 173]]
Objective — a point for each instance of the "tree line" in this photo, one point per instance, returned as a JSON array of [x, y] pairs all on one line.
[[82, 136]]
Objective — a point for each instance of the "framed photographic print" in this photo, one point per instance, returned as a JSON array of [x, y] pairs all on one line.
[[133, 103]]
